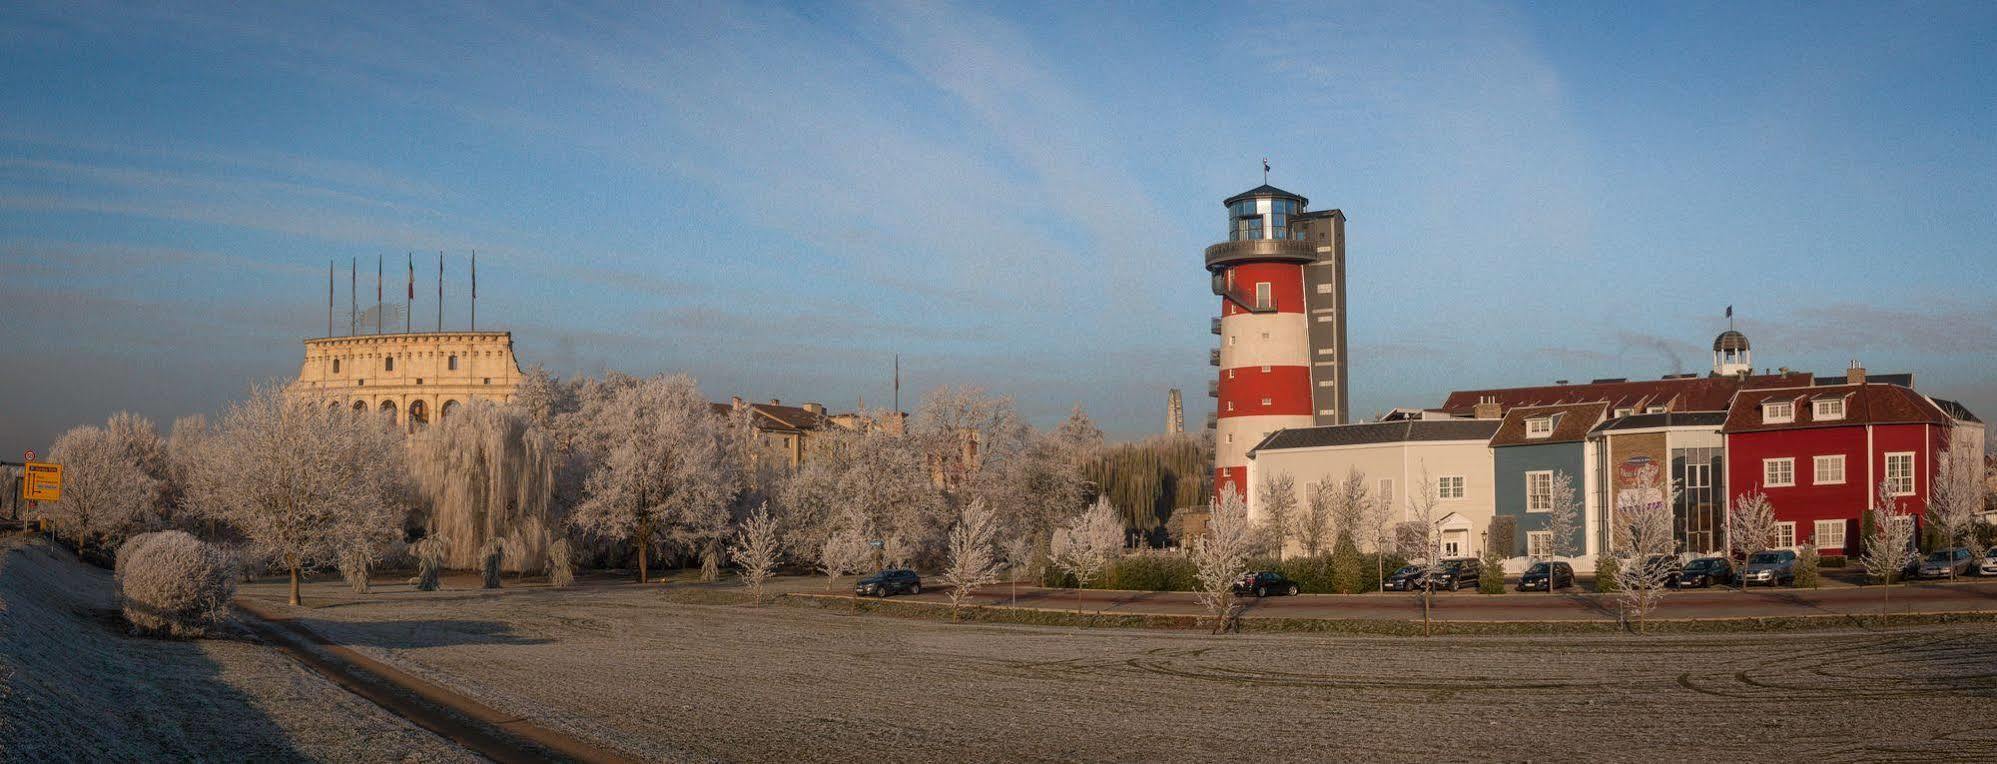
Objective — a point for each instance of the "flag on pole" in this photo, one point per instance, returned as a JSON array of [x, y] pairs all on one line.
[[1730, 311], [474, 290], [412, 276]]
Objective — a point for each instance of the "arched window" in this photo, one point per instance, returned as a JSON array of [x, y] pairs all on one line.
[[360, 405], [336, 366], [388, 364], [332, 405], [454, 363], [419, 415], [388, 410], [449, 408]]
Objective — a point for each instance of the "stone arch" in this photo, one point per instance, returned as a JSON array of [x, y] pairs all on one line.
[[419, 415], [388, 409], [360, 405], [449, 408]]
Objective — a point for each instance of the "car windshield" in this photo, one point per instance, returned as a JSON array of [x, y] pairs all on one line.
[[1765, 557], [1537, 567], [1408, 570], [1942, 556]]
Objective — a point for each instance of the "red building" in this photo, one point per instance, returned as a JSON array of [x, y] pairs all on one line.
[[1821, 452]]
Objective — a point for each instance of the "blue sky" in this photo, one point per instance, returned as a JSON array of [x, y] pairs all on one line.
[[777, 198]]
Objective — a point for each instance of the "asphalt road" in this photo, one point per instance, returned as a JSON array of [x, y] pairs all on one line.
[[1974, 595]]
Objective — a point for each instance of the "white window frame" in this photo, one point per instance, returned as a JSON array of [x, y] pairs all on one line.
[[1822, 464], [1547, 495], [1819, 410], [1624, 411], [1265, 295], [1452, 548], [1767, 472], [1539, 427], [1785, 534], [1449, 487], [1537, 544], [1268, 401], [1654, 410], [1827, 531], [1900, 485], [1769, 409]]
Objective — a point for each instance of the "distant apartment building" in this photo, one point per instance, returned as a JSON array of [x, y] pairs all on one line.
[[787, 430]]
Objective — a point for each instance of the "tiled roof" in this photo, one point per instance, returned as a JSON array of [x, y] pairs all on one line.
[[1686, 393], [1903, 380], [1379, 432], [778, 417], [1711, 419], [1867, 404], [1956, 410], [1571, 423]]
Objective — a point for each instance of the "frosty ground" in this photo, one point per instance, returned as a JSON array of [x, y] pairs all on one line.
[[635, 668]]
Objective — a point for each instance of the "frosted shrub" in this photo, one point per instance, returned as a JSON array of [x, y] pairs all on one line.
[[173, 584], [561, 563], [489, 561], [430, 552]]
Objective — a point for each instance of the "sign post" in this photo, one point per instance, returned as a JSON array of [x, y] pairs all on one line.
[[41, 481]]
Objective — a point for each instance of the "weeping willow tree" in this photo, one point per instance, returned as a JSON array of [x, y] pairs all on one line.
[[1149, 478], [487, 474]]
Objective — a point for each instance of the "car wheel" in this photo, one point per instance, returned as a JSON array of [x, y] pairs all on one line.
[[1293, 590], [1261, 591], [915, 588]]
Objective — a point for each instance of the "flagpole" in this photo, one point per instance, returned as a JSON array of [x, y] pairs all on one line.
[[377, 293], [474, 290], [409, 304], [440, 290], [353, 300], [329, 298]]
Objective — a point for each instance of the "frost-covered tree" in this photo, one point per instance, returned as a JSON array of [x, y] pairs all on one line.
[[972, 558], [846, 549], [1891, 545], [1751, 526], [1314, 526], [430, 552], [1279, 509], [145, 449], [963, 429], [106, 496], [183, 452], [663, 470], [1220, 558], [1019, 554], [756, 550], [1086, 546], [293, 477], [1421, 542], [1078, 434], [491, 557], [872, 473], [561, 563], [1642, 541], [1563, 520], [486, 471], [1955, 498]]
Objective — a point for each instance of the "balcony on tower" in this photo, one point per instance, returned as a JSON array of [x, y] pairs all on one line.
[[1216, 324], [1213, 357], [1213, 388], [1259, 229]]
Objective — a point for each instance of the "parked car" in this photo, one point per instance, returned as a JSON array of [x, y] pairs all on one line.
[[1989, 566], [1407, 579], [1704, 572], [1771, 567], [1547, 576], [1264, 583], [1946, 563], [1457, 574], [1661, 567], [890, 581]]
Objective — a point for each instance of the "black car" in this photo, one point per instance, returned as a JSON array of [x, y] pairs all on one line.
[[1547, 576], [1661, 567], [1264, 583], [1407, 579], [1457, 574], [1704, 572], [890, 581]]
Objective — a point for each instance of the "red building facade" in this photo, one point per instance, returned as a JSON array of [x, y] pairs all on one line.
[[1821, 453]]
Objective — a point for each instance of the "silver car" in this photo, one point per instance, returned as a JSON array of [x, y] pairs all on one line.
[[1773, 567], [1946, 563], [1989, 566]]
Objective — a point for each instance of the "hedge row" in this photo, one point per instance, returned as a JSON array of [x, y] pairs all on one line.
[[1350, 573]]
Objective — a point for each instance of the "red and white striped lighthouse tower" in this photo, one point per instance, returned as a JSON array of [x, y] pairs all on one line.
[[1281, 279]]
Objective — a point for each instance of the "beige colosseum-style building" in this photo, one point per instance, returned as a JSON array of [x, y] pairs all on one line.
[[410, 377]]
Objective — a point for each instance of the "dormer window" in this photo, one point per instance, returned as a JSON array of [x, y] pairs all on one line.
[[1539, 427], [1777, 412], [1828, 408], [1654, 410], [1624, 411]]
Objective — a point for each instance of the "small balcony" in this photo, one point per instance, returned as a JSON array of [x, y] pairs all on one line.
[[1216, 324], [1213, 357], [1213, 421], [1213, 388]]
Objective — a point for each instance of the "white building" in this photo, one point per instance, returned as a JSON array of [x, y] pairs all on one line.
[[1450, 458]]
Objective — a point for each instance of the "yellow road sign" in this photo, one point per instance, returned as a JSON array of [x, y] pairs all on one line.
[[43, 482]]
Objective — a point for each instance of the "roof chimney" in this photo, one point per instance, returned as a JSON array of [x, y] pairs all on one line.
[[775, 402], [1487, 408], [815, 408], [735, 401], [1559, 381], [1855, 374]]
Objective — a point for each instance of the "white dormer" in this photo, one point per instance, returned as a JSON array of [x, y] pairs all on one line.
[[1827, 409], [1778, 412], [1539, 427]]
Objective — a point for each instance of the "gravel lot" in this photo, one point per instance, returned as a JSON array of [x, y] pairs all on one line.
[[74, 687], [626, 666]]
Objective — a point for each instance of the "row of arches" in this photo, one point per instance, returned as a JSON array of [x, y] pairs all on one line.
[[418, 415]]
